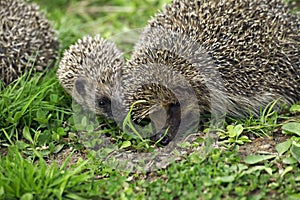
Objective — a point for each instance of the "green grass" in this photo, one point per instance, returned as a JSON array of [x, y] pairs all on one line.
[[37, 125]]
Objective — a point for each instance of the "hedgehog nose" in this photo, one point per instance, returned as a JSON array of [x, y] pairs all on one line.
[[166, 122], [163, 138]]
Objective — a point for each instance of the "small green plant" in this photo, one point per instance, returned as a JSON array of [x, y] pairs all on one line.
[[129, 130], [233, 135], [288, 153], [262, 126], [265, 124], [292, 127]]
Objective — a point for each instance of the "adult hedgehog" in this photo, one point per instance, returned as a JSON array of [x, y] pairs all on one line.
[[26, 38], [237, 56]]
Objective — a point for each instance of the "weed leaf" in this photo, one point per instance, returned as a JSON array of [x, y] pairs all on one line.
[[259, 168], [281, 148], [125, 144], [225, 179], [295, 151], [289, 160], [1, 191], [27, 135], [238, 129], [27, 196], [295, 108], [291, 128], [286, 170], [253, 159]]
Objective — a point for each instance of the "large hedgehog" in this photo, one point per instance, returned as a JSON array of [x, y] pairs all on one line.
[[237, 55], [224, 57], [26, 37]]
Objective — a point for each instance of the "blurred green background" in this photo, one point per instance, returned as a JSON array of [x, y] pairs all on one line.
[[111, 19], [120, 20]]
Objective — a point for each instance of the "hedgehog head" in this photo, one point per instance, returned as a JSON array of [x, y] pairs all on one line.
[[162, 102], [89, 71]]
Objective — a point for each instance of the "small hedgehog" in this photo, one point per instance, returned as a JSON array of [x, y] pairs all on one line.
[[26, 38], [89, 71], [237, 55]]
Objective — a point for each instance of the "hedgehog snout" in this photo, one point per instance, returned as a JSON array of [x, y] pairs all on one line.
[[163, 138], [173, 117]]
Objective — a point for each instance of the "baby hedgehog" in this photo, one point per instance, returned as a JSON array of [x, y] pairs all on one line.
[[88, 72], [237, 55], [26, 38]]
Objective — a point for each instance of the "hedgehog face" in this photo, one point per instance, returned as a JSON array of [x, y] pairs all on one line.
[[94, 99], [89, 71], [167, 120], [162, 99], [161, 72], [161, 122]]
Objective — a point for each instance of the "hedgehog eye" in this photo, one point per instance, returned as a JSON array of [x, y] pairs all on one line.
[[103, 102]]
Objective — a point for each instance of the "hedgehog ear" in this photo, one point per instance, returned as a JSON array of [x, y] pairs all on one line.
[[80, 86]]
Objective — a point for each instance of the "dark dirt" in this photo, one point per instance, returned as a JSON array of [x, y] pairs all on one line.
[[60, 157], [262, 145]]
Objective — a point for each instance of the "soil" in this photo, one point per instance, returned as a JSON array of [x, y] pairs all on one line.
[[261, 145], [60, 157]]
